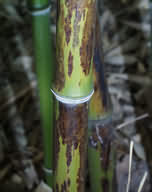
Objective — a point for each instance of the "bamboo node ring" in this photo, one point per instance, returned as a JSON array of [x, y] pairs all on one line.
[[41, 12], [48, 171], [73, 101]]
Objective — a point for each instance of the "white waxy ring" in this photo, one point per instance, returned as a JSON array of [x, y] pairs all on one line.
[[73, 101], [41, 12], [48, 171]]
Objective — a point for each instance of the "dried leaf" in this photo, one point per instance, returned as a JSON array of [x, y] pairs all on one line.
[[121, 60], [144, 27], [139, 150], [43, 188]]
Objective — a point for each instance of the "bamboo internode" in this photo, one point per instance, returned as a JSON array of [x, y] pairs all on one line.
[[75, 41], [44, 67], [100, 130], [74, 82]]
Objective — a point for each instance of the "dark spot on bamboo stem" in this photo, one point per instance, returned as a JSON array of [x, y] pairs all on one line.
[[76, 27], [75, 145], [67, 27], [86, 49], [63, 187], [60, 75], [86, 54], [57, 149], [68, 154], [105, 184], [57, 188], [70, 64], [95, 87], [68, 182]]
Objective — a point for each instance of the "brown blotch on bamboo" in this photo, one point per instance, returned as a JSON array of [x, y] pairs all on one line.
[[70, 64], [67, 27], [60, 81], [105, 184], [72, 128], [86, 49]]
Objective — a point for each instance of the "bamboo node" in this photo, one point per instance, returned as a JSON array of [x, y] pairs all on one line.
[[48, 171], [41, 12], [73, 101]]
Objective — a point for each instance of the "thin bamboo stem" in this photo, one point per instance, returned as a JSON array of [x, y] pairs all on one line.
[[100, 152], [38, 4], [74, 83], [44, 67]]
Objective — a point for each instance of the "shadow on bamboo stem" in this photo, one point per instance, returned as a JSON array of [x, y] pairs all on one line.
[[101, 155]]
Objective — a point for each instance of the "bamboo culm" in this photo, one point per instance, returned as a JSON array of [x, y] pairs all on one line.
[[101, 156], [73, 83], [44, 59]]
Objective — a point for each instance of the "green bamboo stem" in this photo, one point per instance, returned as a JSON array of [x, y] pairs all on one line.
[[74, 82], [38, 4], [100, 152], [44, 67]]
